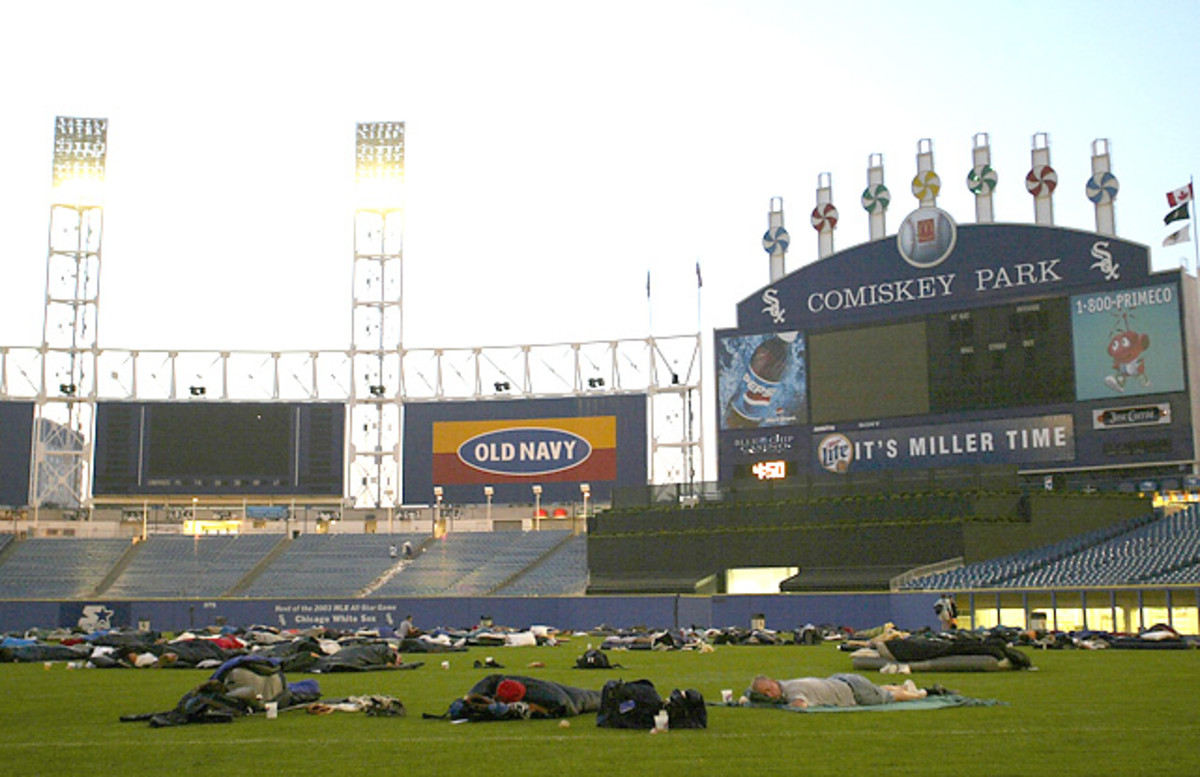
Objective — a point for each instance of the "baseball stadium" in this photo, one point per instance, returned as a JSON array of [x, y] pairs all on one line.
[[1002, 413]]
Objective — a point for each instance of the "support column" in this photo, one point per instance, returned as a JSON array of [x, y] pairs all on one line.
[[982, 178], [776, 239], [66, 403], [376, 344], [1041, 181], [926, 184], [1102, 188], [824, 216], [876, 197]]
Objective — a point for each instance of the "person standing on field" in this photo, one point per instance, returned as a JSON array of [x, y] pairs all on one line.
[[947, 612]]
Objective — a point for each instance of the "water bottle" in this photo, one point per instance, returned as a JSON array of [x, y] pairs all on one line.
[[750, 406]]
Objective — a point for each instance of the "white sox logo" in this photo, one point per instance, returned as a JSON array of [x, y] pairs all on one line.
[[773, 308], [1104, 261]]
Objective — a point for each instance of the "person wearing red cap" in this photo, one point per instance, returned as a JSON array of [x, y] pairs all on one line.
[[510, 690], [510, 697]]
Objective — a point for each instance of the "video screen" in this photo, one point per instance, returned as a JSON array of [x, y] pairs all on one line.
[[872, 372], [219, 448], [219, 440]]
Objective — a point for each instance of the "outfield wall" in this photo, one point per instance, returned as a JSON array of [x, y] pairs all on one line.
[[912, 610], [1131, 609]]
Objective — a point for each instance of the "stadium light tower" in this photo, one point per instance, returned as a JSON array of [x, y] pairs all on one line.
[[66, 401], [375, 343]]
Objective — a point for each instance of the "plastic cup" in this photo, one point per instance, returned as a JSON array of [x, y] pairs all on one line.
[[445, 665], [726, 695], [272, 710]]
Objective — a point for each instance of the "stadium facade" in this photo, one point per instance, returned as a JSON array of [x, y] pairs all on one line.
[[1053, 351], [950, 366], [940, 393]]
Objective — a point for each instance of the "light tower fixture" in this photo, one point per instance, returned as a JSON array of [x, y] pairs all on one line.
[[80, 154], [379, 164]]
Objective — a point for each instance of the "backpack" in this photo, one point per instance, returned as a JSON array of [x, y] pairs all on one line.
[[252, 681], [686, 709], [593, 659], [241, 686], [628, 705]]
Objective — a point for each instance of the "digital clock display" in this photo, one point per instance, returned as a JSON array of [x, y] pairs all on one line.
[[770, 470]]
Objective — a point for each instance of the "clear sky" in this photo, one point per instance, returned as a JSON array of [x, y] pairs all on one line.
[[557, 151]]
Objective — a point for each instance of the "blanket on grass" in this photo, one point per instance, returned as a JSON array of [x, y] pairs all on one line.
[[928, 703]]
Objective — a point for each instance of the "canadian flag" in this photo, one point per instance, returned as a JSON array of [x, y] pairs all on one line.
[[1179, 196]]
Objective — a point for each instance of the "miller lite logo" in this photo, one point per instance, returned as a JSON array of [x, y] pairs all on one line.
[[835, 453]]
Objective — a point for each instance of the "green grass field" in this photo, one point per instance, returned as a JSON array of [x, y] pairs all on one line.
[[1095, 712]]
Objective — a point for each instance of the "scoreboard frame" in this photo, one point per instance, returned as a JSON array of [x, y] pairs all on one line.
[[985, 358]]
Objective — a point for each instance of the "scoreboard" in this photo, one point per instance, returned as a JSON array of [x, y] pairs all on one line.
[[1039, 347], [219, 448], [1006, 356], [1001, 357]]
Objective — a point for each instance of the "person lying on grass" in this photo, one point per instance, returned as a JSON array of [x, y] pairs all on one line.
[[516, 697], [839, 690]]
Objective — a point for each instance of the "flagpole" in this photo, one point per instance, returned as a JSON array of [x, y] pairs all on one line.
[[700, 379], [649, 309], [1195, 237]]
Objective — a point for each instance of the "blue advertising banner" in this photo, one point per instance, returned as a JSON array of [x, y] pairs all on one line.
[[987, 264], [996, 441], [1127, 343], [16, 441]]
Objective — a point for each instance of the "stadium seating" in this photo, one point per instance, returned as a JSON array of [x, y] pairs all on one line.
[[1144, 550], [471, 563], [58, 568], [169, 566], [562, 573], [328, 565], [1149, 550]]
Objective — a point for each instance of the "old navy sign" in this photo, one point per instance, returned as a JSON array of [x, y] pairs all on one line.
[[1020, 441], [525, 451], [529, 450]]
